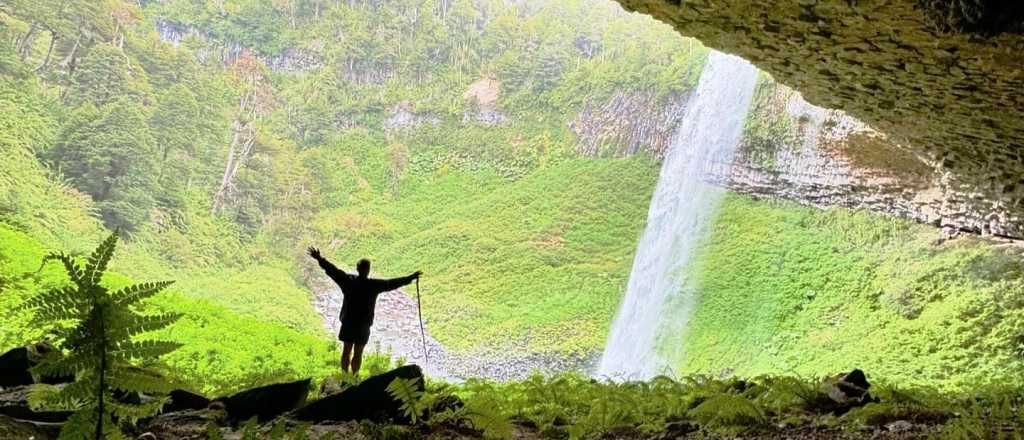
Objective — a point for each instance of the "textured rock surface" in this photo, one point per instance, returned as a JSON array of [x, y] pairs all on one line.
[[627, 124], [290, 60], [369, 400], [950, 91]]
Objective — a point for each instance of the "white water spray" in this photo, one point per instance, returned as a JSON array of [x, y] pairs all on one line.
[[681, 210]]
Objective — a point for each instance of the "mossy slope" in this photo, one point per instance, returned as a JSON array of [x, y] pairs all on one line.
[[787, 289]]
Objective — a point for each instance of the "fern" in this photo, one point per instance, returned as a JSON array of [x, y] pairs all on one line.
[[405, 391], [484, 412], [103, 352], [728, 413]]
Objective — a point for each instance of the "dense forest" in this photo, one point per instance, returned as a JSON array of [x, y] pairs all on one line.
[[507, 149], [448, 149]]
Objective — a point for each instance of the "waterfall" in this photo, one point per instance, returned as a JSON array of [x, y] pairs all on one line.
[[682, 208]]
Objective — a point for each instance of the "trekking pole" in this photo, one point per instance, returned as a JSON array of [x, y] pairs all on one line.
[[423, 333]]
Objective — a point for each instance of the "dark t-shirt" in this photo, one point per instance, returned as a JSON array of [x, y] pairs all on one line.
[[360, 299]]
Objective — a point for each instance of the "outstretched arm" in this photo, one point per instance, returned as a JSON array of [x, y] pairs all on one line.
[[394, 283], [328, 267]]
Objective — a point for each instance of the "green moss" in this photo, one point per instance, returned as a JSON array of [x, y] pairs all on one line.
[[787, 289], [768, 128]]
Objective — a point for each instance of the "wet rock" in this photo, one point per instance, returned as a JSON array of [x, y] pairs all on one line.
[[14, 403], [849, 391], [899, 426], [11, 428], [185, 400], [369, 400], [266, 402], [186, 425]]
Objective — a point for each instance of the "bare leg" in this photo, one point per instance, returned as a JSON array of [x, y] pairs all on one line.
[[346, 356], [357, 358]]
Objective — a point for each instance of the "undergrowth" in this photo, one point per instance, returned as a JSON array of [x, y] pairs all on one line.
[[575, 407]]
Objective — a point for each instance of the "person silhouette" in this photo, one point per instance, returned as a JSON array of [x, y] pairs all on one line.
[[360, 298]]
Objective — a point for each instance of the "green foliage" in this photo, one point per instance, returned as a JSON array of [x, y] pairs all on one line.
[[789, 290], [406, 392], [485, 415], [109, 153], [572, 406], [541, 259], [768, 129], [105, 343], [728, 412], [104, 76]]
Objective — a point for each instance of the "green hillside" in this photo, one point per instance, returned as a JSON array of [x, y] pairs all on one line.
[[784, 289]]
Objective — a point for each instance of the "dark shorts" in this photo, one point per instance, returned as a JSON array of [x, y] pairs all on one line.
[[358, 334]]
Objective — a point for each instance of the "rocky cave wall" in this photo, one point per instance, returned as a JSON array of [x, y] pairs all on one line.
[[946, 85]]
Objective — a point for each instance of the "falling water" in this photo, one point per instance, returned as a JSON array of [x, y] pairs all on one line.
[[681, 210]]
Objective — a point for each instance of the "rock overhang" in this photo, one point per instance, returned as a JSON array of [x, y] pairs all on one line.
[[945, 83]]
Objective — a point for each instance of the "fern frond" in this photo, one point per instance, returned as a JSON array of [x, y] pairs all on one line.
[[406, 392], [60, 309], [134, 413], [134, 325], [483, 411], [73, 269], [142, 349], [728, 411], [64, 300], [80, 426], [66, 366], [132, 294], [43, 397], [130, 378], [76, 394], [97, 263]]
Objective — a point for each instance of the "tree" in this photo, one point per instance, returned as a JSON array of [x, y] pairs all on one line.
[[110, 154], [105, 351], [177, 136], [105, 75]]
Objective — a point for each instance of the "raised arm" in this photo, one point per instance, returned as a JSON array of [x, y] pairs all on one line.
[[394, 283], [328, 267]]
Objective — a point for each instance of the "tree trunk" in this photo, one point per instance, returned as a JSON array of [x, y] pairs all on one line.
[[49, 51], [242, 142], [26, 42], [66, 62]]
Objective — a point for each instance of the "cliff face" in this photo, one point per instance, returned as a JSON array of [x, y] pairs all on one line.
[[797, 151], [946, 84], [288, 61]]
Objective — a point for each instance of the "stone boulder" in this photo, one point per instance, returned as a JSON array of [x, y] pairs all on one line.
[[849, 391], [187, 424], [12, 428], [267, 402], [369, 400], [182, 400], [14, 366], [14, 403]]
